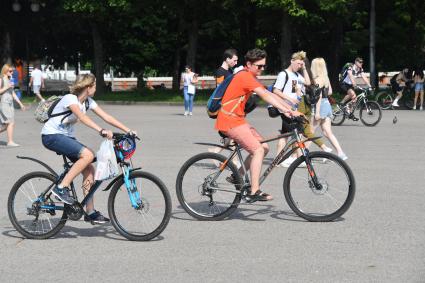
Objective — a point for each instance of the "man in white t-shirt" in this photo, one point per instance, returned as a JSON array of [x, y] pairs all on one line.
[[290, 86], [37, 82]]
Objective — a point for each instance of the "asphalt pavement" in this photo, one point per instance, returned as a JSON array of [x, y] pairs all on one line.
[[380, 239]]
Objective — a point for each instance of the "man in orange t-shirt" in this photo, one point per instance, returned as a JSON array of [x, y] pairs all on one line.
[[231, 117]]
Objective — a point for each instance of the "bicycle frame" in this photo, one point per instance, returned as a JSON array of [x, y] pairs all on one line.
[[361, 98], [126, 169], [287, 151]]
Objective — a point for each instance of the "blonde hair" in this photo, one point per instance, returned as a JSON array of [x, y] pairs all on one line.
[[300, 55], [5, 69], [319, 72], [82, 82]]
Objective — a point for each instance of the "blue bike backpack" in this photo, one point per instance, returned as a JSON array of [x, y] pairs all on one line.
[[214, 102]]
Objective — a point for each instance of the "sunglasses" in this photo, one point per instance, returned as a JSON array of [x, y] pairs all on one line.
[[259, 66]]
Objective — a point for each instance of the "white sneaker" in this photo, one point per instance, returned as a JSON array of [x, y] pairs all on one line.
[[190, 114], [327, 149], [287, 162], [414, 107], [395, 103], [421, 108], [302, 165], [343, 156], [185, 113]]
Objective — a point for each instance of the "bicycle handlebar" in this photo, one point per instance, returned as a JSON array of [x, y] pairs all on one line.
[[118, 136], [363, 89]]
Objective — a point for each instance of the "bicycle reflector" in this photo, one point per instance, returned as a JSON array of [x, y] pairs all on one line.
[[127, 146]]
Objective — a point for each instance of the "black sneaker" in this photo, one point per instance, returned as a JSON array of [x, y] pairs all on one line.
[[63, 195], [231, 179], [352, 117], [96, 218]]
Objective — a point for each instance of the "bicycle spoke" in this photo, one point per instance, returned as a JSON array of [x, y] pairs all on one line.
[[324, 198], [25, 211], [150, 218], [204, 191]]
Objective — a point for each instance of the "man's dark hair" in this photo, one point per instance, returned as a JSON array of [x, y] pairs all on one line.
[[229, 53], [359, 59], [254, 55]]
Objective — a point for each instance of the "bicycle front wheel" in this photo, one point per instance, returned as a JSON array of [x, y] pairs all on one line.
[[370, 113], [152, 210], [384, 99], [204, 189], [33, 213], [338, 115], [329, 196]]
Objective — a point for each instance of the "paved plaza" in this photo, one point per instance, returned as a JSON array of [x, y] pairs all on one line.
[[380, 239]]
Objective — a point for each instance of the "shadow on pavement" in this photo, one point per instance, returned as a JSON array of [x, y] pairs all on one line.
[[105, 231], [243, 212]]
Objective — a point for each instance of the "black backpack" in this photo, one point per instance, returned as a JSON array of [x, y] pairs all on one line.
[[343, 74], [393, 79], [312, 93]]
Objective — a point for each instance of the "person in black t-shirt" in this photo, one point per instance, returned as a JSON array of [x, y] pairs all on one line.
[[230, 59]]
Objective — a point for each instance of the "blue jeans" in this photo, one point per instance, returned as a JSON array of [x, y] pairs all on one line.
[[188, 100], [63, 145]]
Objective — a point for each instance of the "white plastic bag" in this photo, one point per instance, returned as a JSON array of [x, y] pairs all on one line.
[[107, 166], [191, 89]]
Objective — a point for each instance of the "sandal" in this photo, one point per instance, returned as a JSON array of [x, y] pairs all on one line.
[[258, 196]]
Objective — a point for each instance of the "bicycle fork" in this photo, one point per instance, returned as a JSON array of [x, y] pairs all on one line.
[[133, 193], [314, 182]]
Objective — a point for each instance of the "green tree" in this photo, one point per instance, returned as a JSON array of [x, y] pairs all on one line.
[[97, 14]]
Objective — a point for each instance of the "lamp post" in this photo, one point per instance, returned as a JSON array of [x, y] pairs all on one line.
[[34, 6]]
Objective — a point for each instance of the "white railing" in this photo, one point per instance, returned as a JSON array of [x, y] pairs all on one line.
[[204, 82]]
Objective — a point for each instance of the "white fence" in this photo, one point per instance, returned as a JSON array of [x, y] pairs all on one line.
[[204, 82]]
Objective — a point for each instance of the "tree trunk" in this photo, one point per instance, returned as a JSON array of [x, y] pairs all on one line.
[[177, 52], [7, 48], [285, 41], [98, 58], [247, 23], [334, 64], [372, 30], [193, 35]]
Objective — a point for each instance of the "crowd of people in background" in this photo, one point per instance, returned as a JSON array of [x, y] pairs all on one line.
[[298, 73]]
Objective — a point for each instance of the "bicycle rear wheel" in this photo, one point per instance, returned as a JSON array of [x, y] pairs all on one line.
[[202, 188], [32, 213], [384, 99], [327, 202], [370, 113], [153, 211], [338, 115], [409, 102]]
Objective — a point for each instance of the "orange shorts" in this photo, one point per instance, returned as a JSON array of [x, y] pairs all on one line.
[[246, 136]]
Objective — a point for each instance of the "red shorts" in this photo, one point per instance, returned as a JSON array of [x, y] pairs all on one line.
[[246, 136]]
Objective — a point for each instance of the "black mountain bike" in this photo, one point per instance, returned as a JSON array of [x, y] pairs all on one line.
[[370, 112], [385, 98], [318, 186], [139, 203]]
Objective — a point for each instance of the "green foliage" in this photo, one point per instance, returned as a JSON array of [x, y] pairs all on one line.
[[93, 6], [290, 6], [143, 37]]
